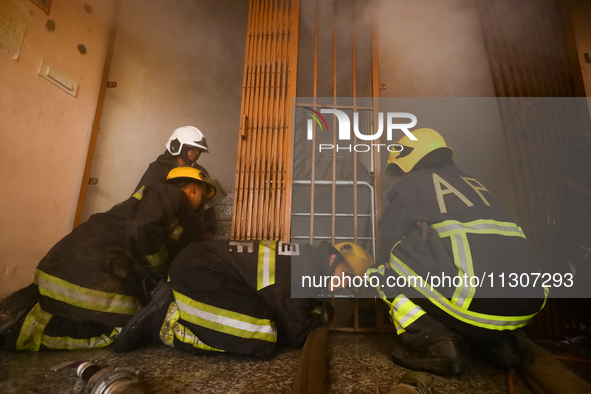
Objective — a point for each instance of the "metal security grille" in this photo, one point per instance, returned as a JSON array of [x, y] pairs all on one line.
[[335, 197], [262, 201]]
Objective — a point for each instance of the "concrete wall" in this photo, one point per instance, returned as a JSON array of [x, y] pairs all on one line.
[[45, 132], [176, 64], [436, 49]]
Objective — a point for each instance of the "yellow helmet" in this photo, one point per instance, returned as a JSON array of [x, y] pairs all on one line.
[[428, 140], [191, 173], [355, 256]]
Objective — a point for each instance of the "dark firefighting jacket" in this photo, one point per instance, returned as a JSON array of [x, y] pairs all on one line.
[[158, 171], [442, 222], [94, 273], [235, 296]]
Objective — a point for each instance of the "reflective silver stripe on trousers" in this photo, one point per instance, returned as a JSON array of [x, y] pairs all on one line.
[[226, 321], [67, 343]]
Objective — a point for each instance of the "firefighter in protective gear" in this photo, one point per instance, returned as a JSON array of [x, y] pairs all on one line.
[[443, 222], [356, 262], [183, 149], [93, 281], [235, 297]]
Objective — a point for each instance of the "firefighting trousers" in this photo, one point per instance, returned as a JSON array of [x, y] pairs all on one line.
[[39, 330], [214, 312]]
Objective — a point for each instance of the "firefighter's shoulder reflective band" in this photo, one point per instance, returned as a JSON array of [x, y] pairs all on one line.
[[491, 322], [29, 337], [67, 343], [225, 321], [171, 329], [266, 264], [158, 258], [139, 194], [82, 297], [482, 226]]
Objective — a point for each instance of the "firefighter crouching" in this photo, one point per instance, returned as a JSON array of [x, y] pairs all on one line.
[[236, 297], [183, 149], [443, 221], [94, 280]]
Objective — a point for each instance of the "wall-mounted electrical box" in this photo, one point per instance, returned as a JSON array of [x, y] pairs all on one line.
[[58, 78]]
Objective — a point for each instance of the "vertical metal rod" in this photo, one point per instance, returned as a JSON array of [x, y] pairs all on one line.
[[375, 71], [355, 229], [293, 67], [334, 119], [284, 97], [258, 128], [266, 206], [274, 216], [313, 166], [375, 74], [240, 163]]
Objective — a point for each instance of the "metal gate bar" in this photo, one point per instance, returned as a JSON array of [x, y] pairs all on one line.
[[333, 236], [370, 160]]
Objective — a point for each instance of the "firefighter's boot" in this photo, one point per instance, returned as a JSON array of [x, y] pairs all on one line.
[[144, 328], [15, 305], [442, 352], [504, 354]]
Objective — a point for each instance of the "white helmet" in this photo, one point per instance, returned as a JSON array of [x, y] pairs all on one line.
[[187, 135]]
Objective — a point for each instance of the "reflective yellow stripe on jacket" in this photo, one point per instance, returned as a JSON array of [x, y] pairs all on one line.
[[490, 322], [82, 297], [457, 232], [225, 321], [482, 226]]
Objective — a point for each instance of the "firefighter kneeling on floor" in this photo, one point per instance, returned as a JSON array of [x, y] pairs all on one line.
[[236, 297], [97, 277], [443, 222]]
